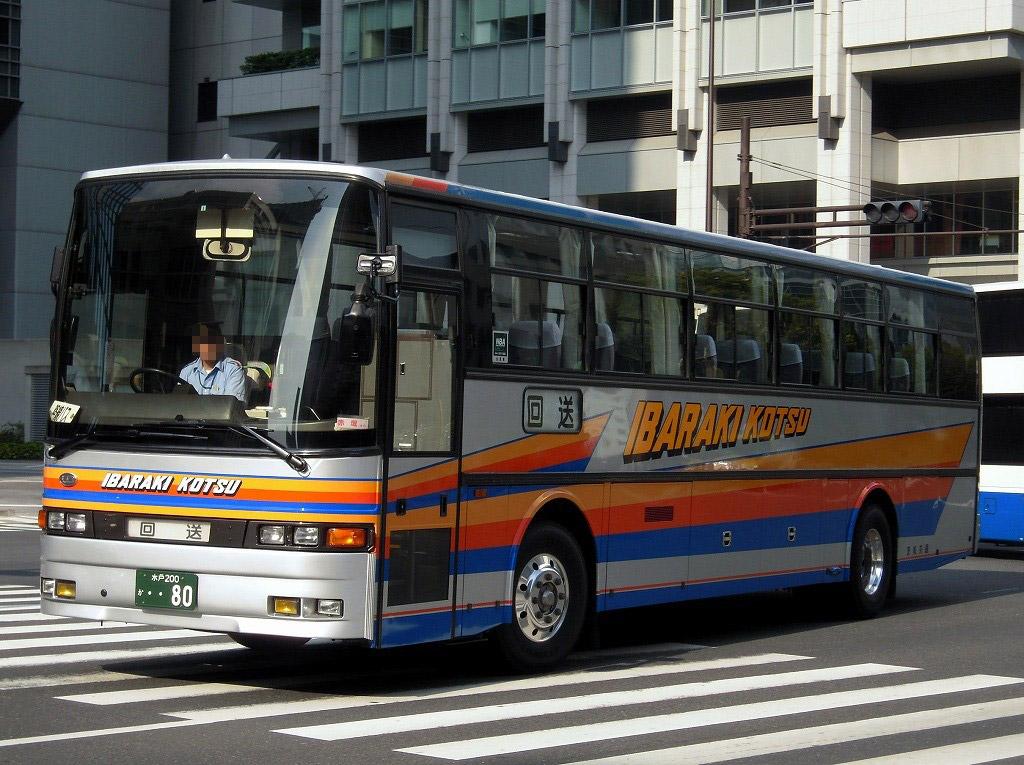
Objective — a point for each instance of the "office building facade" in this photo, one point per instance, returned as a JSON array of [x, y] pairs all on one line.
[[605, 103]]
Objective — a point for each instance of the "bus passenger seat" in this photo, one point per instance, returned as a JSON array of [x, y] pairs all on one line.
[[604, 345], [791, 364], [740, 359], [524, 344], [705, 356], [858, 371], [812, 366], [899, 374]]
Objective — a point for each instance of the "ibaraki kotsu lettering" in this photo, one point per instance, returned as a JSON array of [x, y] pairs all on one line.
[[162, 484], [678, 428]]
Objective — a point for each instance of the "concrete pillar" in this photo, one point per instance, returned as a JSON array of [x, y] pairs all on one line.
[[571, 117], [843, 165], [691, 175]]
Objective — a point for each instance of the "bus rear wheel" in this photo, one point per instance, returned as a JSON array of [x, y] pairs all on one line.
[[872, 563], [267, 642], [550, 596]]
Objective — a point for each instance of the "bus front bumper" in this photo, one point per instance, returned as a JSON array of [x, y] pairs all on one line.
[[235, 587]]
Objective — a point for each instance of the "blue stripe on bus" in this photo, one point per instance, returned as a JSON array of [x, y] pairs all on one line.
[[674, 594], [919, 519], [183, 501], [416, 628], [929, 563]]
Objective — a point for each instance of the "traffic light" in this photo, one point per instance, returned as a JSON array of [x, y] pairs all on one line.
[[898, 211]]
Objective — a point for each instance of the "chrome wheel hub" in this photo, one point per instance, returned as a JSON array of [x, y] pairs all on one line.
[[872, 562], [541, 598]]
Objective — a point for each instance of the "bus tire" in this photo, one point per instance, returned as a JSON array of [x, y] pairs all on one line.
[[872, 563], [551, 591], [267, 642]]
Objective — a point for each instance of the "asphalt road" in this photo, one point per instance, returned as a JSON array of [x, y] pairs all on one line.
[[777, 677]]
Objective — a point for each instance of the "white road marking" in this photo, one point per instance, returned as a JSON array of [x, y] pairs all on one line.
[[66, 627], [13, 586], [74, 641], [162, 693], [139, 654], [967, 753], [20, 599], [72, 735], [660, 669], [639, 726], [509, 711], [60, 681], [31, 616], [824, 735], [24, 608]]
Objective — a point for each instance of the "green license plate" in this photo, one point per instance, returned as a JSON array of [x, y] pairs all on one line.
[[166, 589]]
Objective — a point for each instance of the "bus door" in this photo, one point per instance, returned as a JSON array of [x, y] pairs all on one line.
[[422, 507]]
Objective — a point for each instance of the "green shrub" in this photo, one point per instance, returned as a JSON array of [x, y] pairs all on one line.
[[275, 61], [33, 450], [12, 433]]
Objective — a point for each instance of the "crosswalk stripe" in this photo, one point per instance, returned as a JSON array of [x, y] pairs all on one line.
[[967, 753], [13, 586], [581, 734], [820, 735], [120, 637], [66, 627], [61, 681], [493, 713], [31, 616], [19, 599], [19, 590], [25, 608], [138, 654], [72, 735], [662, 668], [163, 693]]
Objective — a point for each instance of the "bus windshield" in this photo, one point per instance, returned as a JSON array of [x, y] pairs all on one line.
[[196, 306]]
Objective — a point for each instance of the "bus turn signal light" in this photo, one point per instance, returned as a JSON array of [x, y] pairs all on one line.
[[346, 537], [286, 606], [41, 519]]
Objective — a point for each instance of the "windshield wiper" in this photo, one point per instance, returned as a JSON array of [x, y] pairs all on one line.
[[295, 462], [61, 448]]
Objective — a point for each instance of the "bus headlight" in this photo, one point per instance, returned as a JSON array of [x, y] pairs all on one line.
[[272, 535], [75, 522], [307, 536], [55, 521]]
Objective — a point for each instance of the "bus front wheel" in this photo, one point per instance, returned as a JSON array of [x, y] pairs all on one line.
[[550, 595], [872, 563]]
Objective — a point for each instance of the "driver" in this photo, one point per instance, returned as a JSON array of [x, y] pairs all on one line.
[[213, 373]]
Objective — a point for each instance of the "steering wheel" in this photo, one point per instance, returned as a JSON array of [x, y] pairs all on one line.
[[168, 387]]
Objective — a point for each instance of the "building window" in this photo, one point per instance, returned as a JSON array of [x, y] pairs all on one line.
[[309, 18], [659, 206], [392, 139], [749, 6], [596, 15], [504, 129], [487, 22], [206, 110], [10, 49], [613, 119], [384, 28]]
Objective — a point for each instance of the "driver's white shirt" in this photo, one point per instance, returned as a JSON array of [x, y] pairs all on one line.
[[227, 378]]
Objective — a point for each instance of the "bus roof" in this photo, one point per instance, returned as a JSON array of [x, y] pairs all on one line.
[[567, 213]]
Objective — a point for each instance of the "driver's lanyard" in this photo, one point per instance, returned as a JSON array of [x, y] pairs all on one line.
[[203, 377]]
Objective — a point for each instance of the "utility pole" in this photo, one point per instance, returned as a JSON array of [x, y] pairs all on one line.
[[709, 193], [746, 181]]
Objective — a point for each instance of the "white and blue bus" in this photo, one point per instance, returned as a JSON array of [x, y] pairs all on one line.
[[1001, 481], [472, 413]]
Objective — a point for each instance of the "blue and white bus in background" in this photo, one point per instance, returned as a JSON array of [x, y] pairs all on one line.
[[1001, 484]]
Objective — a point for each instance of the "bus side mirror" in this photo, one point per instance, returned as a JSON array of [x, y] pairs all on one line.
[[385, 265], [356, 336]]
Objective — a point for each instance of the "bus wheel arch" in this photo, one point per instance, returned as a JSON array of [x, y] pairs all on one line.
[[552, 588], [873, 562]]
